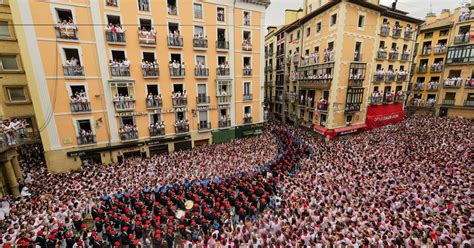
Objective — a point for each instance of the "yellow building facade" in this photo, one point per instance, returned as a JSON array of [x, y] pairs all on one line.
[[443, 83], [332, 57], [113, 79]]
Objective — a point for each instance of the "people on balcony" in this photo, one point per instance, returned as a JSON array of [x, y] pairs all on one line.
[[182, 125], [176, 68], [424, 67], [305, 60], [123, 101], [153, 100], [389, 96], [144, 5], [439, 48], [437, 66], [322, 104], [315, 57], [247, 69], [67, 29], [220, 15], [466, 15], [72, 62], [155, 127], [224, 120], [150, 68], [390, 75], [386, 27], [293, 76], [120, 67], [433, 85], [13, 131], [79, 102], [115, 33], [247, 44], [399, 95], [397, 29], [128, 132], [223, 68], [376, 96], [174, 38], [147, 36], [179, 98], [394, 53], [201, 69], [328, 55], [463, 36], [469, 82], [200, 40], [379, 74], [426, 49], [86, 136], [310, 102], [356, 75], [453, 82], [382, 53], [408, 31], [401, 74]]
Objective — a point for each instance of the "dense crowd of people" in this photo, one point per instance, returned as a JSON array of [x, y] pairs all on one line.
[[285, 188]]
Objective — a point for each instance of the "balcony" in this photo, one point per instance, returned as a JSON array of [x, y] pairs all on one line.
[[419, 87], [296, 59], [422, 69], [400, 98], [247, 72], [175, 42], [439, 49], [14, 138], [200, 43], [172, 10], [461, 38], [150, 72], [146, 38], [73, 71], [155, 131], [180, 101], [378, 78], [128, 134], [86, 139], [357, 57], [204, 126], [388, 99], [469, 103], [352, 107], [408, 35], [355, 81], [223, 99], [120, 71], [222, 45], [123, 105], [203, 100], [155, 103], [402, 78], [223, 72], [177, 72], [66, 31], [247, 97], [433, 87], [248, 120], [453, 83], [111, 3], [390, 77], [80, 107], [373, 100], [316, 83], [181, 128], [448, 102], [323, 106], [224, 123], [117, 38], [426, 51], [436, 68], [397, 32], [418, 103], [381, 55], [405, 57], [246, 46], [385, 31], [469, 83], [393, 56], [201, 72]]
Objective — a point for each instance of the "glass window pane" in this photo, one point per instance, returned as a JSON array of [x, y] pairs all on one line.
[[17, 94], [197, 11], [4, 30], [9, 62]]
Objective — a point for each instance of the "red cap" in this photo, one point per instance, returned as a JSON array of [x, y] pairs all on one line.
[[51, 237], [68, 235], [84, 226], [117, 244], [26, 244], [40, 232]]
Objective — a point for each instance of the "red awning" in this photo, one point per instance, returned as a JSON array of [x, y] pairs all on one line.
[[349, 129], [319, 129], [381, 115]]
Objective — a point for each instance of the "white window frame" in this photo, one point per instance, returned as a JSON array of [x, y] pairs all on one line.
[[25, 93], [75, 123], [202, 11], [17, 59], [250, 86], [79, 51], [85, 85], [146, 88], [143, 11], [54, 13], [217, 11], [243, 20]]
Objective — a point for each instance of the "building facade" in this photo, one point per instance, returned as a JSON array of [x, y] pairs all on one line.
[[112, 79], [443, 83], [346, 66]]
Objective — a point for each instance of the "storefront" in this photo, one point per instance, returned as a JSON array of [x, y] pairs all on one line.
[[381, 115], [248, 130], [202, 142], [224, 135], [181, 146]]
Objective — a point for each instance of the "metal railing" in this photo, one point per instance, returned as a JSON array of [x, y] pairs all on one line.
[[469, 103], [246, 46], [12, 138], [80, 107], [115, 37], [385, 31], [203, 99], [204, 125], [154, 131], [461, 38], [201, 72], [247, 120], [177, 72], [397, 32], [381, 55], [448, 102], [68, 32], [225, 123], [200, 43], [390, 77], [146, 38], [402, 78], [378, 78], [405, 57], [408, 35], [247, 97], [154, 103], [223, 99], [181, 128], [175, 41], [223, 71], [437, 68], [375, 99], [180, 101], [73, 71], [393, 56], [86, 139], [150, 72], [247, 72], [128, 135], [120, 71], [222, 45], [124, 105]]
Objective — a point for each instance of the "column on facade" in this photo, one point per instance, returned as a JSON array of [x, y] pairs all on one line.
[[10, 178], [17, 169]]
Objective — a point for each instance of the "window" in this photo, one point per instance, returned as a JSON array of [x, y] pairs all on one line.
[[308, 31], [8, 63], [333, 19], [361, 22], [298, 34], [17, 94], [152, 88], [443, 32], [197, 11], [202, 90], [4, 29], [348, 119], [246, 18], [143, 5], [428, 35], [220, 14], [318, 27], [460, 54], [172, 7], [246, 88]]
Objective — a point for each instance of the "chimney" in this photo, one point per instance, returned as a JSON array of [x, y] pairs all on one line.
[[430, 18], [444, 13]]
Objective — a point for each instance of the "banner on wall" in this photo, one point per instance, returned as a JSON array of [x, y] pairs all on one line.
[[381, 115]]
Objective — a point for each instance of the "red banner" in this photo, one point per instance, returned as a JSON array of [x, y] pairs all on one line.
[[381, 115]]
